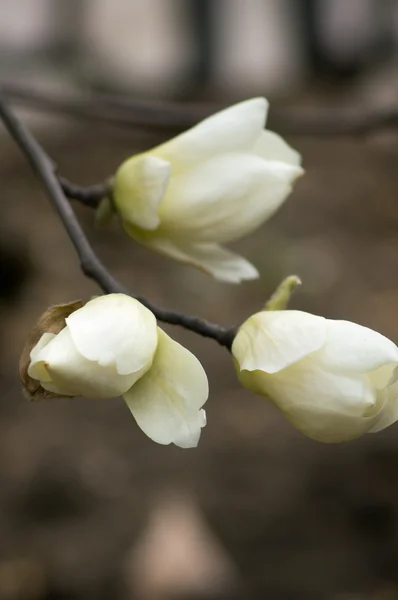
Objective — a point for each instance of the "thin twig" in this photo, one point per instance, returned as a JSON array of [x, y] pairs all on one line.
[[177, 117], [335, 121], [113, 110], [90, 264], [90, 195]]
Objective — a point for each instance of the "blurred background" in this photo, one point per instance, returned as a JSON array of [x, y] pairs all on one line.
[[89, 507]]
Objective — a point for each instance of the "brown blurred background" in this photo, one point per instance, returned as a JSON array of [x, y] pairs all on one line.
[[89, 507]]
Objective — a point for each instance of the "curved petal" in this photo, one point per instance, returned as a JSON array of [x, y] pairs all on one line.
[[351, 348], [234, 129], [167, 401], [225, 197], [324, 406], [140, 185], [73, 375], [271, 146], [37, 368], [389, 415], [115, 330], [222, 264], [324, 424], [384, 377], [272, 340], [307, 382]]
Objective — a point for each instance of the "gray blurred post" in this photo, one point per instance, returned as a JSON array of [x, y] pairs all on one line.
[[202, 19], [66, 22], [322, 61]]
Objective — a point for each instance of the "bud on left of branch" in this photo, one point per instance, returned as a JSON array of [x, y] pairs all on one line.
[[112, 346]]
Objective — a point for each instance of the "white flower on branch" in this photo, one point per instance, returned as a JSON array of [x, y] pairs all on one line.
[[211, 185], [112, 346], [333, 380]]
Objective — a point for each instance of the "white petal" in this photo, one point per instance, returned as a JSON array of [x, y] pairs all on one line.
[[222, 264], [271, 146], [389, 414], [37, 368], [140, 184], [324, 406], [189, 435], [73, 375], [115, 330], [225, 197], [234, 129], [272, 340], [351, 348], [384, 377], [324, 424], [167, 401], [307, 382]]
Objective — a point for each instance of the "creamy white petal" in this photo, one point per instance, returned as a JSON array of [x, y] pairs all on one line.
[[384, 376], [167, 401], [140, 185], [115, 330], [389, 414], [234, 129], [225, 198], [272, 340], [324, 424], [351, 348], [37, 368], [271, 146], [324, 406], [308, 382], [73, 375], [189, 437], [222, 264]]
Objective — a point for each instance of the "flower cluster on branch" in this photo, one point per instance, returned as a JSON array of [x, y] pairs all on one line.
[[219, 181]]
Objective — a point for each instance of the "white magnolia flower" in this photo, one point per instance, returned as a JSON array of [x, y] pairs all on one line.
[[333, 380], [211, 185], [112, 346]]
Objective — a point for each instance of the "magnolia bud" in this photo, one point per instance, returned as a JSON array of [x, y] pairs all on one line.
[[211, 185], [101, 351], [333, 380], [112, 346]]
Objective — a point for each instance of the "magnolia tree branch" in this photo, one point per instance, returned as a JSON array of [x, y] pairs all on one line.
[[177, 117], [89, 195], [113, 110], [89, 262]]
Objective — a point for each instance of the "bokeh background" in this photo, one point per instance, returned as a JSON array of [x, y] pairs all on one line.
[[89, 507]]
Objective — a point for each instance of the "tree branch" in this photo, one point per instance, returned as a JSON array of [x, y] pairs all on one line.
[[90, 264], [90, 195], [113, 110], [177, 117]]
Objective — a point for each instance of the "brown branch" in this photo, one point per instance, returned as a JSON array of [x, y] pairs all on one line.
[[177, 117], [335, 121], [89, 195], [90, 264], [113, 110]]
